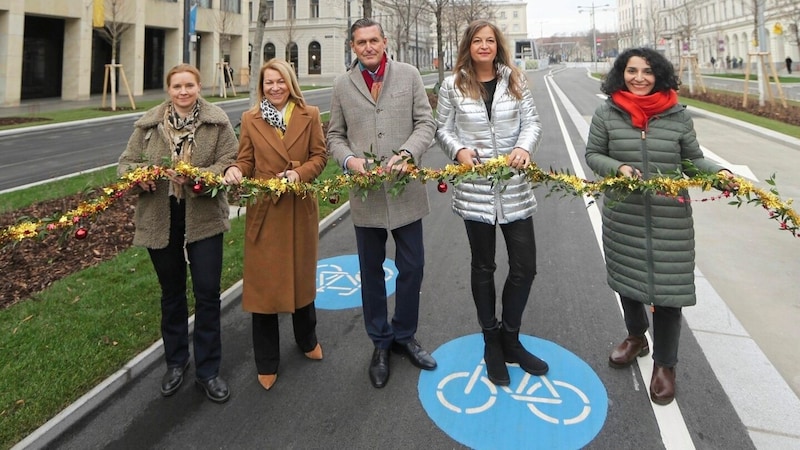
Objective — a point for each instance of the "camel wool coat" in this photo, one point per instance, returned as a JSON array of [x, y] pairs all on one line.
[[281, 233]]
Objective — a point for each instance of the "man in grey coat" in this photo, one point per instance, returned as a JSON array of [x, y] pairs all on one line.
[[379, 109]]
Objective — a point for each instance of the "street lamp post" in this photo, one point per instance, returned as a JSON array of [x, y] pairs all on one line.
[[591, 10]]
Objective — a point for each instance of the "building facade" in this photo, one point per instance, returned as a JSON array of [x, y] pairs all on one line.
[[54, 49], [720, 29]]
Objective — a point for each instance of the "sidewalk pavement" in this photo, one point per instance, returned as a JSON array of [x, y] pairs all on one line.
[[33, 107]]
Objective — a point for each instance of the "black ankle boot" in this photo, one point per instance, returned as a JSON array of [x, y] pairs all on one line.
[[514, 352], [493, 356]]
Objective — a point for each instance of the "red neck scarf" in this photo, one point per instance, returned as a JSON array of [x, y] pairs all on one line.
[[374, 83], [643, 107]]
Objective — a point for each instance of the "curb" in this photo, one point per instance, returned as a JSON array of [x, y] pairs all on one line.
[[43, 436]]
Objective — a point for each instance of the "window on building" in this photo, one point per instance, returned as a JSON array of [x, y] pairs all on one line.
[[291, 9], [314, 58], [314, 6], [516, 14], [270, 10], [204, 4], [234, 6], [292, 55], [502, 14], [269, 51]]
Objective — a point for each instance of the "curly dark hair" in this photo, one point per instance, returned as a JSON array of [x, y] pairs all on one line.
[[664, 71]]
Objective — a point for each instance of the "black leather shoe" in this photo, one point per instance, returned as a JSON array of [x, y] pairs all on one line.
[[173, 379], [216, 389], [416, 354], [379, 367]]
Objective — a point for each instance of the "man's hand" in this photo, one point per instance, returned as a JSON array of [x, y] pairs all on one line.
[[357, 165]]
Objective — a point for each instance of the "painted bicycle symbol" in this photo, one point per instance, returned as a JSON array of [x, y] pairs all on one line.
[[529, 390], [339, 281]]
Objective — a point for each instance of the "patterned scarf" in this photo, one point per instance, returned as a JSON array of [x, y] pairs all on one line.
[[643, 107], [179, 132], [374, 82], [272, 116]]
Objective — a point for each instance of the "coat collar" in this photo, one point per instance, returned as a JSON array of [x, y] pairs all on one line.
[[297, 126]]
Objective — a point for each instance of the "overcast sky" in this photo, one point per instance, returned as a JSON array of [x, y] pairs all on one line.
[[549, 17]]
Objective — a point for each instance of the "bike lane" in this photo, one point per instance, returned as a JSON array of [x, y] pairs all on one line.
[[571, 320]]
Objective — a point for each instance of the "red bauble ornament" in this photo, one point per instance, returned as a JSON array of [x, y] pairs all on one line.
[[81, 233], [334, 199], [442, 186], [198, 188]]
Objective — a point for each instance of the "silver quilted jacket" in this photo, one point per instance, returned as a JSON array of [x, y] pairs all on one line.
[[464, 123]]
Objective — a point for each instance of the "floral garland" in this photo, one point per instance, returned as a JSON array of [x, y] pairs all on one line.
[[495, 169]]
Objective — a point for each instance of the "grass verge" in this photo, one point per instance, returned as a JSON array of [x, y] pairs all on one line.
[[770, 124], [61, 343]]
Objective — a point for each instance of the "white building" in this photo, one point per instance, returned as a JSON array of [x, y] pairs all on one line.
[[50, 48], [722, 29]]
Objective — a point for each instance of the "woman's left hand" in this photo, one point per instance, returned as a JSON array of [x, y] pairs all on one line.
[[728, 185], [519, 158], [176, 178], [290, 175]]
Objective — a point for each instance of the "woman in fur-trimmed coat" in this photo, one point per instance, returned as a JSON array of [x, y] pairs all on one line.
[[178, 225], [641, 131]]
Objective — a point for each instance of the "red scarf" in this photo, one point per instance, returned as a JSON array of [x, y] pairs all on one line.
[[643, 107], [374, 84]]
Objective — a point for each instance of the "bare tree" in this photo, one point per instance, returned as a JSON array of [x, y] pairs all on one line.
[[113, 28], [437, 7], [685, 15], [289, 32], [367, 5], [469, 10], [405, 13], [654, 23], [258, 44], [225, 21]]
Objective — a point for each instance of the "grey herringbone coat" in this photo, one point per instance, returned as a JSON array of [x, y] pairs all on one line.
[[401, 119], [648, 238]]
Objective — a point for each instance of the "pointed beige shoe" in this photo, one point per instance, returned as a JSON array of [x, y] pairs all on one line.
[[315, 354], [267, 381]]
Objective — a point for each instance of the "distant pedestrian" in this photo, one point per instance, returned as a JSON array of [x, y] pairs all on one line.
[[728, 62], [789, 64]]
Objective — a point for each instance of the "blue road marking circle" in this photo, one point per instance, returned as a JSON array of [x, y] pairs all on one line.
[[564, 409], [339, 282]]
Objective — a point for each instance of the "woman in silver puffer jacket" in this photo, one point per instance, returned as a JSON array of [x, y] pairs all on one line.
[[486, 110]]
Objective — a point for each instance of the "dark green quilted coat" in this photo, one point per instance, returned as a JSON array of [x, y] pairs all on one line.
[[648, 239]]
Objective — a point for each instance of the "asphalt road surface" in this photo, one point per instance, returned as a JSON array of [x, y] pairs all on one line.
[[737, 376]]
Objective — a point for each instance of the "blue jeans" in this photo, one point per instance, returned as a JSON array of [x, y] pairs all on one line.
[[521, 247], [205, 264], [410, 261], [666, 329]]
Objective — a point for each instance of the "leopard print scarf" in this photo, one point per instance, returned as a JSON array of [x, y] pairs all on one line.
[[179, 132], [272, 116]]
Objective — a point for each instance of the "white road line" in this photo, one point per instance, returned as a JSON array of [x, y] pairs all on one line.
[[674, 433]]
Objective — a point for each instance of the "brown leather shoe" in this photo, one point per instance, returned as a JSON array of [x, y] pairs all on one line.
[[315, 354], [625, 353], [662, 385]]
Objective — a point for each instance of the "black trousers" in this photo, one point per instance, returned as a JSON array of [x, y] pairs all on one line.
[[666, 328], [521, 247], [266, 337], [410, 261], [205, 264]]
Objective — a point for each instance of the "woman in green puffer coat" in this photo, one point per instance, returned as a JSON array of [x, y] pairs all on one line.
[[641, 131]]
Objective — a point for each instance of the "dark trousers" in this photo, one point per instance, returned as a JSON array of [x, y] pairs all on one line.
[[521, 247], [410, 261], [666, 329], [266, 337], [205, 264]]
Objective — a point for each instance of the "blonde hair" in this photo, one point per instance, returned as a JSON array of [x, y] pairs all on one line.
[[182, 68], [288, 75], [466, 81]]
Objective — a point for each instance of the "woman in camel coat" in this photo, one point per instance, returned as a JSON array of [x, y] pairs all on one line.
[[281, 137]]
